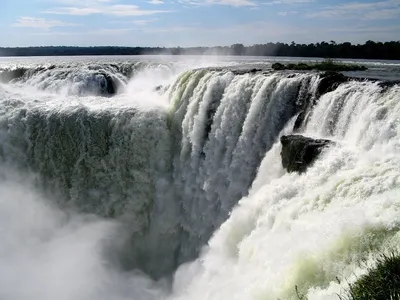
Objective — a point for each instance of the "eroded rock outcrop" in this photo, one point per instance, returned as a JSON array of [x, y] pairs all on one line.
[[299, 152], [330, 81]]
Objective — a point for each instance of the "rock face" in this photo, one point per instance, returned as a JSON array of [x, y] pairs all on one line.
[[7, 75], [299, 152], [246, 71], [109, 86], [330, 81]]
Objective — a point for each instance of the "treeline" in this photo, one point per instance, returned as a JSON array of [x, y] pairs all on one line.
[[369, 50]]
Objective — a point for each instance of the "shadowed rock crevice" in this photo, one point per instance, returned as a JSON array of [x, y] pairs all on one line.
[[300, 152], [330, 81]]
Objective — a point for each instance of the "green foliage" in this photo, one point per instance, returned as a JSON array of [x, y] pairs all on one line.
[[369, 50], [381, 282], [278, 66], [329, 61]]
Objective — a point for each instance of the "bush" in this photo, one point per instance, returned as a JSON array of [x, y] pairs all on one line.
[[381, 282], [278, 66]]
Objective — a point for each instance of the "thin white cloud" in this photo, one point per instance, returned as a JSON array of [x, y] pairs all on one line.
[[234, 3], [170, 29], [156, 2], [39, 23], [114, 10], [389, 9], [390, 13], [112, 31], [82, 2], [141, 22], [366, 29], [239, 3], [74, 11], [286, 13], [288, 2]]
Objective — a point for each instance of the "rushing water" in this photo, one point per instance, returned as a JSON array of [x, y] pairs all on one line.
[[157, 178]]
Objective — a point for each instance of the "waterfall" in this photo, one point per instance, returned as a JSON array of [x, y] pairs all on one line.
[[185, 169]]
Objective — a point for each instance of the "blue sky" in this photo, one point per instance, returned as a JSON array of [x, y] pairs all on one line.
[[195, 22]]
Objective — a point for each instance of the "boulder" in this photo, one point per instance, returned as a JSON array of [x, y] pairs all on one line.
[[330, 81], [109, 86], [246, 71], [8, 75], [388, 84], [299, 152]]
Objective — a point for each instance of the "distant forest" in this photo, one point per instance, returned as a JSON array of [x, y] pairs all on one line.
[[369, 50]]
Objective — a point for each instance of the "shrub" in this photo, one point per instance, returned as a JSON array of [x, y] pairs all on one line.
[[381, 282]]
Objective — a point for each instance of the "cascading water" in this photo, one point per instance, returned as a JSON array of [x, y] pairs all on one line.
[[189, 166], [226, 123], [308, 229]]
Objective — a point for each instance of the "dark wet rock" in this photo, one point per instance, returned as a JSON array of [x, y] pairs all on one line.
[[246, 71], [388, 84], [330, 81], [234, 70], [293, 75], [161, 89], [304, 103], [110, 87], [8, 75], [300, 120], [299, 152], [327, 65]]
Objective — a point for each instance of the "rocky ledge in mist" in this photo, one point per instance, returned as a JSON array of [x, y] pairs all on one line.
[[326, 65], [299, 152]]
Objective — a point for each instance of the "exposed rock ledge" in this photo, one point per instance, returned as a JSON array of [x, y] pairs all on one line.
[[299, 152]]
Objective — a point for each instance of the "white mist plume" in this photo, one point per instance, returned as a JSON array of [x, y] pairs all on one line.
[[46, 253]]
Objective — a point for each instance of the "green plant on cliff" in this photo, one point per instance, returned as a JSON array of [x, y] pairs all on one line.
[[381, 281]]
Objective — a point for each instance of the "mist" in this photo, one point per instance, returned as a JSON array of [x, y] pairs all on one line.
[[49, 253]]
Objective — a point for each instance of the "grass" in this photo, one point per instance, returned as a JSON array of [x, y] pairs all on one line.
[[382, 282], [326, 65]]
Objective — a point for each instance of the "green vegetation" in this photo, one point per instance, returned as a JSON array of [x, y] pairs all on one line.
[[381, 282], [326, 65], [369, 50]]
